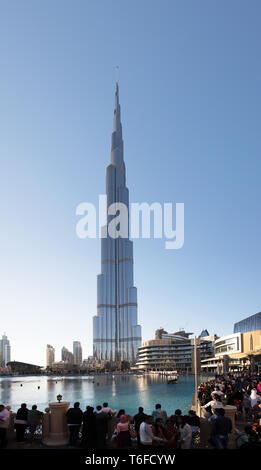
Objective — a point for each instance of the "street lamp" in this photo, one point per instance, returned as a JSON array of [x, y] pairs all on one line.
[[196, 373], [59, 397]]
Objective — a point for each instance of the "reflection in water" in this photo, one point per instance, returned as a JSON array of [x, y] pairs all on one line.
[[124, 391], [6, 389]]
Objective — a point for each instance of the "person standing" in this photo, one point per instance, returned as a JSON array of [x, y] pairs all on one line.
[[74, 421], [157, 430], [106, 409], [138, 419], [89, 429], [101, 426], [33, 419], [212, 405], [21, 422], [159, 413], [4, 423], [174, 417], [146, 434], [194, 422], [185, 432], [123, 432], [220, 429], [254, 398], [246, 405], [171, 434]]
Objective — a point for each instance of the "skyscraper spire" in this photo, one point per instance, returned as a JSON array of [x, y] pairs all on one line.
[[116, 333], [116, 138]]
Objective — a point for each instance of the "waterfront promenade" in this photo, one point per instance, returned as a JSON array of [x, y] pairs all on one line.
[[227, 392], [201, 443]]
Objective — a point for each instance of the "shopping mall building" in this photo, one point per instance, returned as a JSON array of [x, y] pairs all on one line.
[[239, 351], [174, 351]]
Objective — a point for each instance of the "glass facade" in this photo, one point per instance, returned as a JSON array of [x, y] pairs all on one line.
[[116, 333], [230, 344], [248, 324]]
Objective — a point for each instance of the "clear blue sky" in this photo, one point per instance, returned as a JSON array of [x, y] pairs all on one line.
[[190, 79]]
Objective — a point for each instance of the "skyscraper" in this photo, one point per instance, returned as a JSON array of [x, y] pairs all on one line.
[[5, 351], [50, 355], [116, 333], [77, 352], [67, 356]]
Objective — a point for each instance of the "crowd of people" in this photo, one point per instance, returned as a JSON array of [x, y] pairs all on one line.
[[147, 430], [96, 428], [25, 419], [103, 426], [242, 390]]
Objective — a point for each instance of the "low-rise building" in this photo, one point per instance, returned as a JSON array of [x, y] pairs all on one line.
[[173, 351], [238, 351], [22, 368]]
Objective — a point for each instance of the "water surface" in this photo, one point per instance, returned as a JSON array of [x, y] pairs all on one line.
[[128, 392]]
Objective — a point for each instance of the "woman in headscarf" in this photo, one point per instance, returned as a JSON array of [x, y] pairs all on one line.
[[123, 438]]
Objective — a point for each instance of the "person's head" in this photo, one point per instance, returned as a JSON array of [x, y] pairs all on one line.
[[34, 407], [178, 412], [216, 397], [220, 411], [169, 423], [2, 407], [89, 409], [148, 419], [216, 388], [140, 409], [105, 404], [98, 407], [123, 419], [192, 413], [180, 421], [76, 404], [121, 412], [158, 406], [23, 405]]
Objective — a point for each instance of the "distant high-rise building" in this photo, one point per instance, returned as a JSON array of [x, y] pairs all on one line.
[[77, 352], [67, 356], [50, 355], [116, 332], [5, 351]]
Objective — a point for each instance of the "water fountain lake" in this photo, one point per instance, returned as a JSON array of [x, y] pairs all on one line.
[[123, 391]]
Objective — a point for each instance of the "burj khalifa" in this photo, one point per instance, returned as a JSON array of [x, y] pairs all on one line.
[[116, 333]]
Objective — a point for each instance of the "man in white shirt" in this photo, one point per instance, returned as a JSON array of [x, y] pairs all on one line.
[[106, 409], [217, 391], [4, 423], [215, 403], [146, 434]]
